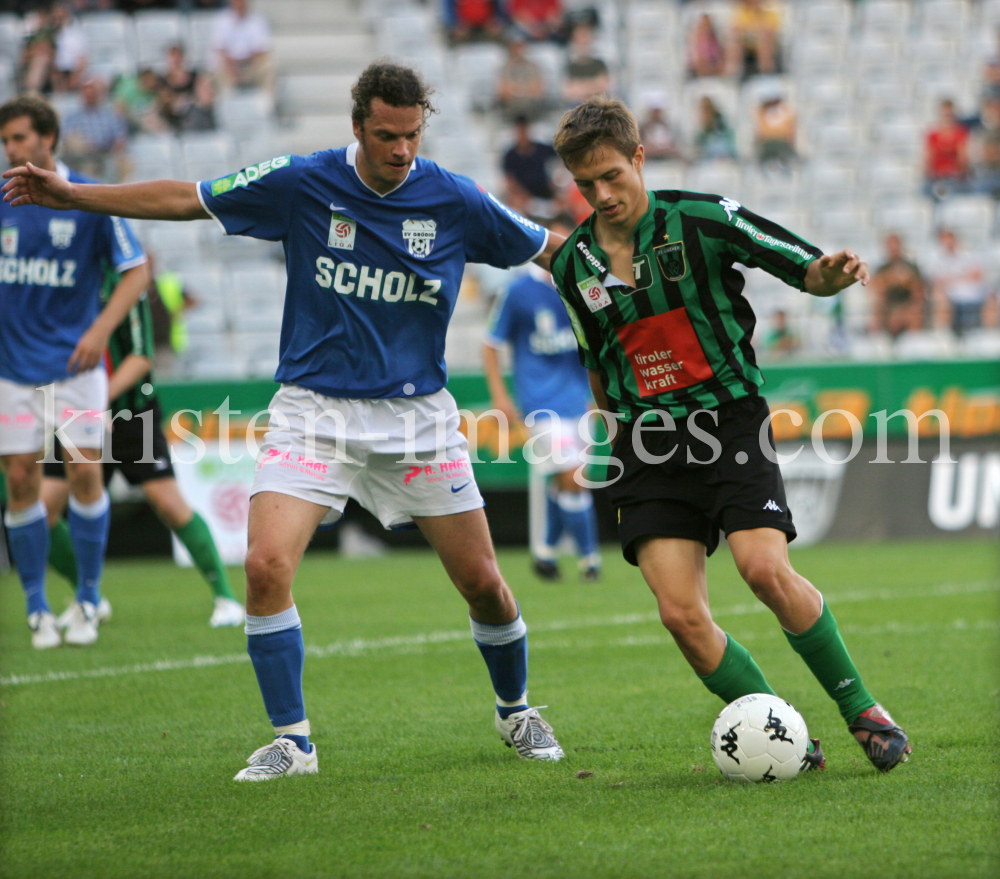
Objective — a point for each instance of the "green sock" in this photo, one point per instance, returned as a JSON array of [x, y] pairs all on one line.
[[824, 652], [737, 675], [61, 555], [198, 540]]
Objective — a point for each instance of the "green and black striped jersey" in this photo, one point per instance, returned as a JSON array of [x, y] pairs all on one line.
[[134, 335], [676, 336]]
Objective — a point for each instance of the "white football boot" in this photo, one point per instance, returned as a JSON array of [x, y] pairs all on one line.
[[103, 613], [277, 759], [44, 631], [227, 613], [530, 735], [82, 628]]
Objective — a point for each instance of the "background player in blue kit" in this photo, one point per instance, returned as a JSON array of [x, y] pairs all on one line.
[[548, 378], [54, 333], [376, 241]]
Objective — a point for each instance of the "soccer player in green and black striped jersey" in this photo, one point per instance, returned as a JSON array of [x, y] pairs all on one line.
[[651, 289], [130, 389]]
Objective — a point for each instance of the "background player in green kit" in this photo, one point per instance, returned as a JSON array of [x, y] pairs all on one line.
[[130, 389], [657, 306]]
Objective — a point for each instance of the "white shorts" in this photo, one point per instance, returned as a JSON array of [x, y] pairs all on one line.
[[383, 453], [76, 406], [555, 446]]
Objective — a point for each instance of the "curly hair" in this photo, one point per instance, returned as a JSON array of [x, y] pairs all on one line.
[[395, 84], [44, 119]]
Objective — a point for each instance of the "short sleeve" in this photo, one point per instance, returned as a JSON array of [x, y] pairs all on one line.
[[126, 251], [501, 327], [257, 201], [496, 235]]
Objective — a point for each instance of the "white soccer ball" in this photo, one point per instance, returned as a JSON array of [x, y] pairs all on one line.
[[759, 738]]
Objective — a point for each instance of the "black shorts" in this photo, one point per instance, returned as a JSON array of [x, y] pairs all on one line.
[[126, 450], [683, 498]]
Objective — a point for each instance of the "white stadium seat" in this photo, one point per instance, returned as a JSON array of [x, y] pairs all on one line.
[[971, 217], [888, 19]]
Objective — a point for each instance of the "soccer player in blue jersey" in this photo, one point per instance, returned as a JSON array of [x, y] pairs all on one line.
[[376, 241], [553, 394], [52, 340]]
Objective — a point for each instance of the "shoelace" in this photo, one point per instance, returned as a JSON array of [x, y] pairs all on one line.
[[284, 744], [532, 717]]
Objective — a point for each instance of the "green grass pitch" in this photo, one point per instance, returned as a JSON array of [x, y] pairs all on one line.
[[116, 760]]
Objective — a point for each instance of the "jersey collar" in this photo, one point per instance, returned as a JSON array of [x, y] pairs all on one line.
[[606, 278], [352, 160]]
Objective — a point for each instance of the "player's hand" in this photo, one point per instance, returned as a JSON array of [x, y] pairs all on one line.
[[27, 184], [510, 411], [89, 351], [831, 274]]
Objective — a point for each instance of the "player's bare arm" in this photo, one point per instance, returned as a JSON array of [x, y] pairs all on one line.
[[544, 259], [90, 349], [149, 200], [128, 374], [499, 395], [828, 275]]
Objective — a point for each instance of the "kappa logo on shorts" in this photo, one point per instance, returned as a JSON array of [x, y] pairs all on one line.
[[773, 507]]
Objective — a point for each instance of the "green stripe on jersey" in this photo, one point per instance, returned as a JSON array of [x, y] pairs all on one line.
[[678, 340], [134, 335]]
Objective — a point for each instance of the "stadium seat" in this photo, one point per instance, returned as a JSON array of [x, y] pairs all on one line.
[[971, 217], [898, 138], [207, 284], [837, 228], [821, 59], [198, 49], [155, 31], [886, 19], [7, 81], [829, 183], [663, 175], [874, 347], [10, 36], [245, 113], [108, 27], [651, 24], [889, 178], [316, 93], [843, 140], [207, 155], [262, 281], [981, 343], [171, 243], [829, 17], [722, 178], [205, 319], [477, 65], [875, 60], [925, 345], [946, 18], [910, 218]]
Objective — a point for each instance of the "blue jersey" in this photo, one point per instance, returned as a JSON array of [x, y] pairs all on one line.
[[52, 268], [372, 279], [531, 318]]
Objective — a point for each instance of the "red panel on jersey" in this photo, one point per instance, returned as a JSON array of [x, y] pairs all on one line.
[[664, 352]]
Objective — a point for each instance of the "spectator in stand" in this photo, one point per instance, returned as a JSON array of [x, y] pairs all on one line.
[[781, 340], [527, 169], [95, 136], [472, 20], [136, 97], [659, 138], [187, 95], [179, 77], [55, 53], [198, 113], [897, 292], [586, 74], [947, 153], [242, 43], [961, 297], [985, 148], [774, 132], [706, 55], [715, 140], [520, 84], [754, 46], [537, 19]]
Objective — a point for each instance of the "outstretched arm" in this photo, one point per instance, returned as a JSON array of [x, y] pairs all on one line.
[[151, 200], [828, 275], [90, 349], [545, 257]]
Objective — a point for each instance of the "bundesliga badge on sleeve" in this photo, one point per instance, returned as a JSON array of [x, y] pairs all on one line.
[[594, 294], [671, 259]]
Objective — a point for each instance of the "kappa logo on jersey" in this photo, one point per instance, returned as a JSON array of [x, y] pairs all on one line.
[[672, 261], [342, 231], [248, 175], [729, 205], [594, 294], [8, 240], [594, 262], [62, 232], [419, 236]]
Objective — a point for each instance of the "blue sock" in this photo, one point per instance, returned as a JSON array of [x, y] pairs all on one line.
[[29, 549], [505, 649], [553, 521], [580, 518], [88, 531], [278, 654]]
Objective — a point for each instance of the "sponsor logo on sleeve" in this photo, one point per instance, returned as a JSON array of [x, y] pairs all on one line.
[[8, 240], [62, 232], [248, 175], [342, 231], [594, 294], [419, 236]]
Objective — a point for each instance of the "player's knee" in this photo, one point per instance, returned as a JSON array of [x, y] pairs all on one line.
[[765, 575], [267, 570], [482, 583], [684, 622]]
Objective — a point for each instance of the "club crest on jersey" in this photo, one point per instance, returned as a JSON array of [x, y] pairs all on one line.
[[342, 232], [419, 236], [62, 232], [8, 240], [671, 260]]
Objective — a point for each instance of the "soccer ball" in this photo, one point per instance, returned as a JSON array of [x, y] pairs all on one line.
[[759, 738]]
